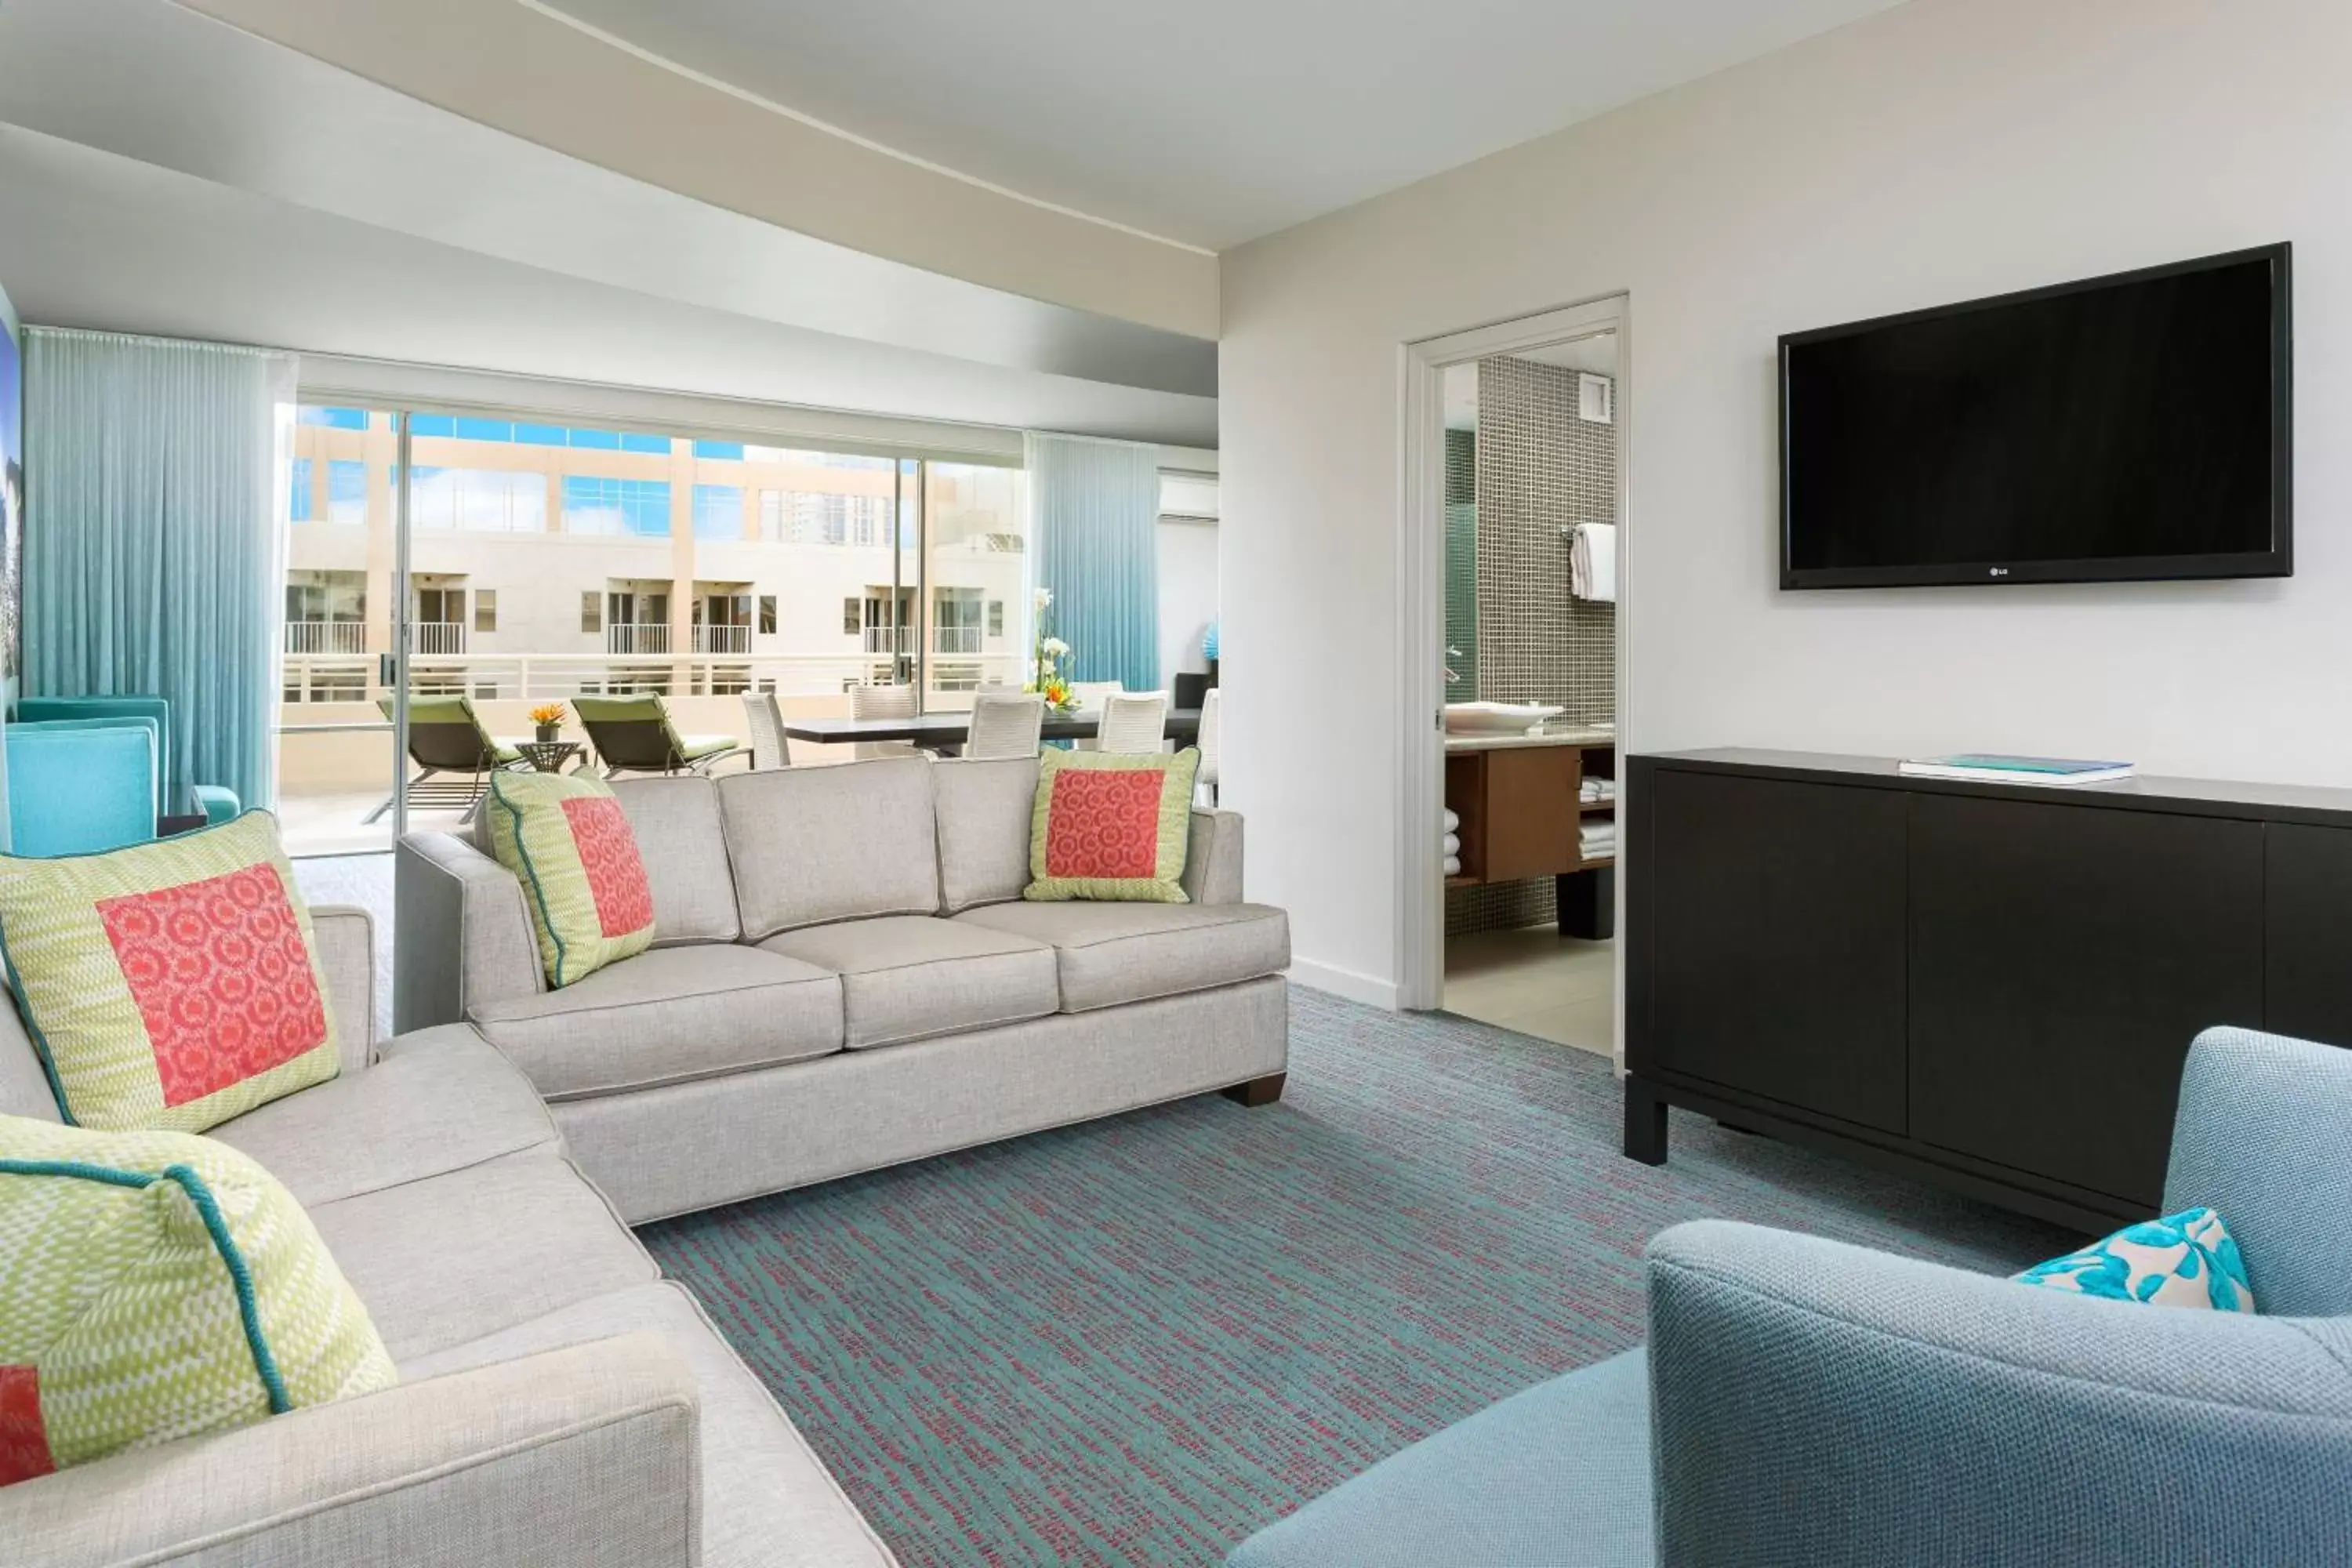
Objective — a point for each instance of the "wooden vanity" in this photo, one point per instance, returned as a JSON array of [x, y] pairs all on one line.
[[1518, 799]]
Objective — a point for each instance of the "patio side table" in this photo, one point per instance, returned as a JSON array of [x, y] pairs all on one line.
[[548, 756]]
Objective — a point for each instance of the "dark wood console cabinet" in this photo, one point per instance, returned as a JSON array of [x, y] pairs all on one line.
[[1991, 986]]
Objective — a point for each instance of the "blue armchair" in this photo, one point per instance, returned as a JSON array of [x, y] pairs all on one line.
[[1805, 1401], [75, 789], [217, 803]]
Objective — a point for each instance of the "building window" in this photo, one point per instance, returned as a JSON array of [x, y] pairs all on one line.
[[822, 517], [602, 506], [853, 616], [479, 501], [486, 609], [347, 494], [724, 451], [767, 615], [718, 512], [955, 622], [298, 499], [592, 613], [334, 419], [996, 617]]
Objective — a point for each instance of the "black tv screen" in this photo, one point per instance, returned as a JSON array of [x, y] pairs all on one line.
[[2127, 427]]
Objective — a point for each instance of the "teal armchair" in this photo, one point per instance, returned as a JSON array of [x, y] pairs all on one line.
[[1803, 1402], [217, 803], [76, 789]]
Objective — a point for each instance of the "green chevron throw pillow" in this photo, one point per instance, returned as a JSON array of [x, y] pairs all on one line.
[[565, 836], [155, 1286]]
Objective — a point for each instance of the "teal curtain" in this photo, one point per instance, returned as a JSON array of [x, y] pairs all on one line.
[[1097, 511], [152, 539]]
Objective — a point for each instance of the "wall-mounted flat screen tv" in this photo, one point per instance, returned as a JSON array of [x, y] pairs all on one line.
[[2121, 428]]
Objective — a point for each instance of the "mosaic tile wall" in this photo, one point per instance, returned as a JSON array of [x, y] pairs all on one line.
[[1539, 468], [1462, 564]]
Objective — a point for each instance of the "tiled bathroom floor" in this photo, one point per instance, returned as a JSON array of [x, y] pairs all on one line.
[[1532, 981]]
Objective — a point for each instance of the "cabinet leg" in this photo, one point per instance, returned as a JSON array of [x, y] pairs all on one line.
[[1256, 1091], [1645, 1123]]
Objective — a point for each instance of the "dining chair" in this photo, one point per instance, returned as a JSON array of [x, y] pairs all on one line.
[[1090, 695], [1209, 743], [895, 701], [1005, 724], [765, 719], [1134, 723]]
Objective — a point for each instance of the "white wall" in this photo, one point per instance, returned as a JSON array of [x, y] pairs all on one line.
[[1188, 595], [1945, 149]]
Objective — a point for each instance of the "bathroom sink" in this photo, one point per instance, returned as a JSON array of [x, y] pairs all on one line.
[[1497, 718]]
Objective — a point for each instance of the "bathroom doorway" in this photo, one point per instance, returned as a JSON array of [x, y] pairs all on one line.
[[1515, 897]]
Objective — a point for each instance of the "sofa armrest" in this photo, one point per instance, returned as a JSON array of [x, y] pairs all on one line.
[[346, 936], [462, 936], [1213, 858], [589, 1454], [1818, 1403]]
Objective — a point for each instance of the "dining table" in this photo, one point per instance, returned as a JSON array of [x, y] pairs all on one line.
[[945, 732]]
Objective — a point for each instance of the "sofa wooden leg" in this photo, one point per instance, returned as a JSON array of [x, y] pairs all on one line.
[[1645, 1123], [1258, 1090]]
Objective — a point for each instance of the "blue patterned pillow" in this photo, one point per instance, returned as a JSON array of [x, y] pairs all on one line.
[[2185, 1259]]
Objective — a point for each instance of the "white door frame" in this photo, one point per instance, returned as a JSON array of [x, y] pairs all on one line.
[[1421, 613]]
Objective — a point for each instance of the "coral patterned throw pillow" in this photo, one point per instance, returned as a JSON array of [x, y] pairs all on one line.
[[1111, 826], [567, 838], [169, 985]]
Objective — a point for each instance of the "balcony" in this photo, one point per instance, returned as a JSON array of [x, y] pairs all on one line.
[[438, 637], [637, 638], [955, 639], [325, 636], [889, 640], [722, 639]]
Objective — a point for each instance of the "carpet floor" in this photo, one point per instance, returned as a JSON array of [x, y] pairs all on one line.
[[1137, 1340]]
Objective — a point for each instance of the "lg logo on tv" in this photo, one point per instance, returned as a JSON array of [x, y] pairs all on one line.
[[2000, 571]]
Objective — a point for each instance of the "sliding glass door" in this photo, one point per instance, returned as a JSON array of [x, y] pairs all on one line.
[[543, 560]]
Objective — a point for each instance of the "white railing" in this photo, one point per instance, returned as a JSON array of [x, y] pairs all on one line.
[[889, 640], [438, 637], [326, 636], [722, 639], [537, 677], [955, 639], [636, 636]]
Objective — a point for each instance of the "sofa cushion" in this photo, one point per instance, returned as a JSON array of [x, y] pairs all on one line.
[[670, 1014], [437, 1101], [685, 850], [984, 807], [1111, 826], [812, 844], [158, 1285], [908, 977], [1111, 953], [767, 1500], [453, 1258]]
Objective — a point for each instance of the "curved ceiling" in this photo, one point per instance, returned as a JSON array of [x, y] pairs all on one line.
[[1211, 122]]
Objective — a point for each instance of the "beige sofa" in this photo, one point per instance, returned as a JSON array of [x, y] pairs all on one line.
[[843, 977], [560, 1404]]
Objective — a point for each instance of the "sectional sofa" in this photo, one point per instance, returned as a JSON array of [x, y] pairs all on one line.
[[560, 1403], [844, 976]]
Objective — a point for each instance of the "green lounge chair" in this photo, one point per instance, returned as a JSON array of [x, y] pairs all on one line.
[[445, 737], [634, 736]]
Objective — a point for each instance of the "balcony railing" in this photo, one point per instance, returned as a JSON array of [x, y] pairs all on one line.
[[438, 637], [636, 636], [955, 639], [722, 639], [326, 636], [889, 640]]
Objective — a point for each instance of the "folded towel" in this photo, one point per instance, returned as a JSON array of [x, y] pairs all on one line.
[[1453, 843], [1452, 822], [1593, 562], [1453, 866]]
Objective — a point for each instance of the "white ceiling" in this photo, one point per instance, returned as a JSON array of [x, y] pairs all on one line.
[[1215, 122]]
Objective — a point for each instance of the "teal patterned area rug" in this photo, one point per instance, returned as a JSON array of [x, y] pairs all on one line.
[[1137, 1340]]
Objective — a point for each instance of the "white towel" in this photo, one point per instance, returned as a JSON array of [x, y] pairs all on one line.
[[1452, 866], [1452, 822], [1593, 562], [1453, 845]]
